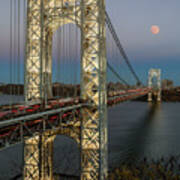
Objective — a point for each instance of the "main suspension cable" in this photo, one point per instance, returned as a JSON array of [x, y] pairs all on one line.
[[118, 43], [116, 74]]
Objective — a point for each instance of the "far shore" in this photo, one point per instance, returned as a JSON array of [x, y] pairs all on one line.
[[65, 90]]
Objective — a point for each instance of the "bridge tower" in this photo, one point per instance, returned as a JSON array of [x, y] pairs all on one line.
[[44, 17], [157, 91]]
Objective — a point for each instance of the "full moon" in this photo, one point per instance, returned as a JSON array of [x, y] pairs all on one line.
[[155, 29]]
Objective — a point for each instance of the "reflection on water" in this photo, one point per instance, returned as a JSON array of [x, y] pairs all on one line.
[[138, 129], [136, 142]]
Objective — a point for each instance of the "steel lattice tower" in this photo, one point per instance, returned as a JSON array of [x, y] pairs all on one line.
[[154, 73], [44, 17]]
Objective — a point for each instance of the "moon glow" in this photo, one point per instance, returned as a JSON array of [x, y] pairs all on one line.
[[155, 29]]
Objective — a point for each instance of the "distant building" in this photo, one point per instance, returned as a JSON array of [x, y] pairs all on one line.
[[167, 84]]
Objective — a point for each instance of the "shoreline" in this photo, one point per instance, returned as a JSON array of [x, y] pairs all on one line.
[[59, 89], [164, 168]]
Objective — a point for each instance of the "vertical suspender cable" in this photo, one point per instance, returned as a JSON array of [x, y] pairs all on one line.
[[66, 56], [69, 56], [57, 60], [59, 56], [63, 53], [14, 63], [19, 44], [75, 50], [10, 63], [25, 50], [56, 40], [24, 40]]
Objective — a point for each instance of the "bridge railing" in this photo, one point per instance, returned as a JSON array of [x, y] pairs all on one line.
[[14, 130]]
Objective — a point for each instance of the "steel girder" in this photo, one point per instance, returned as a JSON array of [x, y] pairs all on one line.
[[44, 17], [13, 131], [93, 89], [34, 50], [38, 150]]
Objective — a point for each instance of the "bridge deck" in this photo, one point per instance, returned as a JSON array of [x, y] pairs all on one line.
[[24, 121]]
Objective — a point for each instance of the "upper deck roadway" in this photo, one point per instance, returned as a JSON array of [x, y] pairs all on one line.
[[24, 121]]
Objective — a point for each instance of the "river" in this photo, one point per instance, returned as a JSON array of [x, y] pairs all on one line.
[[140, 129], [136, 130]]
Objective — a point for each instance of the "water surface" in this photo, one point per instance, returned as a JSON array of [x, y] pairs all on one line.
[[138, 129]]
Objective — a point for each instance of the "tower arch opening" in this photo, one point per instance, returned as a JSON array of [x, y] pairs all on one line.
[[66, 62]]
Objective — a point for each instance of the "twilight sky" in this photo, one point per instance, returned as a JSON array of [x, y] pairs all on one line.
[[132, 20]]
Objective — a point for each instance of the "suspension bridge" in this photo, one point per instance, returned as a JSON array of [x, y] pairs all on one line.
[[69, 95]]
